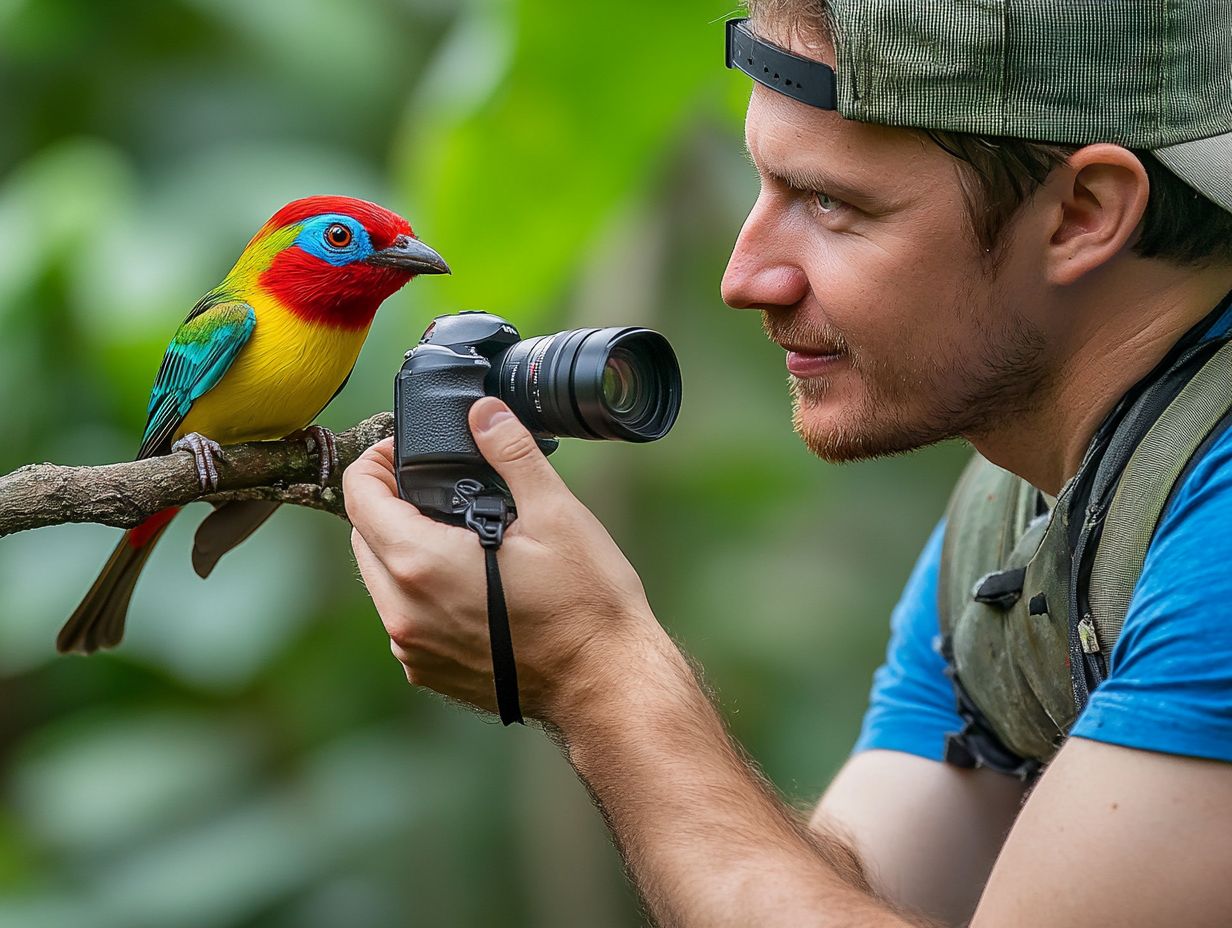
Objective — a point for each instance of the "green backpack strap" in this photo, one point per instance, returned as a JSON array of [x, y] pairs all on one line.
[[987, 512], [1145, 487]]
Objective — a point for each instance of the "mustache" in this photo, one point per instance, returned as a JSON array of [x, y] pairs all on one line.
[[823, 337]]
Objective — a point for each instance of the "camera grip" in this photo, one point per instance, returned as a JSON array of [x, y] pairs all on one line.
[[432, 411]]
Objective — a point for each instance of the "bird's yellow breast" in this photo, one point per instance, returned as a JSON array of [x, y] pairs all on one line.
[[281, 379]]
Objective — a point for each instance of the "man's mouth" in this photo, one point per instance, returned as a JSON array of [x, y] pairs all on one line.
[[805, 361]]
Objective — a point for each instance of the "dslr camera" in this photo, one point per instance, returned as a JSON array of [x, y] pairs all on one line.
[[615, 384]]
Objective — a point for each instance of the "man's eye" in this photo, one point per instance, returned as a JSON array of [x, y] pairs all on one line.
[[825, 202]]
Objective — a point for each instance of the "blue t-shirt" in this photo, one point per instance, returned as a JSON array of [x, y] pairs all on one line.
[[1170, 684]]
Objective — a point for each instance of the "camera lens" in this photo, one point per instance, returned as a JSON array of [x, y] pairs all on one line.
[[615, 383]]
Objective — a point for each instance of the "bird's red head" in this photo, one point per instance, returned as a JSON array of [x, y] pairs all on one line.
[[333, 260]]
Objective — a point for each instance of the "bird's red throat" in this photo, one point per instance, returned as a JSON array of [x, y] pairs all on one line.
[[316, 291]]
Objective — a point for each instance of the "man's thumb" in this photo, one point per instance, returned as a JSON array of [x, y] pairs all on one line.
[[511, 450]]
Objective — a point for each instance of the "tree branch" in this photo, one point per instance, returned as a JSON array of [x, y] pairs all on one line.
[[124, 495]]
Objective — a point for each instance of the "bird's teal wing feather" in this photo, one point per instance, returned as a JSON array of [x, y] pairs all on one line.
[[200, 353]]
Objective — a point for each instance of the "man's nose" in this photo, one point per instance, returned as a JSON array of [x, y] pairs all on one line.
[[762, 272]]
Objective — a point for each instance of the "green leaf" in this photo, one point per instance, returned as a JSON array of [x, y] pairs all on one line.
[[515, 189]]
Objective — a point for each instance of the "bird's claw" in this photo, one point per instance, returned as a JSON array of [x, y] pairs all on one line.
[[204, 451], [320, 439]]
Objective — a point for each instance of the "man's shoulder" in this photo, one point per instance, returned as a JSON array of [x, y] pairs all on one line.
[[1192, 537], [1170, 677]]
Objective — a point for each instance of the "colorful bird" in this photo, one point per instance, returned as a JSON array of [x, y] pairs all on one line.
[[258, 358]]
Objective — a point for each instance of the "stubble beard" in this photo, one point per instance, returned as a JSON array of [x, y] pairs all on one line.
[[911, 400]]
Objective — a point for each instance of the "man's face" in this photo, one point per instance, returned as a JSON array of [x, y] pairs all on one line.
[[858, 253]]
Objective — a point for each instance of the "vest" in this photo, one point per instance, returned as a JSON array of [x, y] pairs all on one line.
[[1033, 590]]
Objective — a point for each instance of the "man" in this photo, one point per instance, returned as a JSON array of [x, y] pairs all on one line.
[[1025, 297]]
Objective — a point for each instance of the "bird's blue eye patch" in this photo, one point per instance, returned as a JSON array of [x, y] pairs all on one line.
[[335, 238]]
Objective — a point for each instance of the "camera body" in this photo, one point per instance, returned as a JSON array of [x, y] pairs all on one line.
[[616, 383], [440, 378]]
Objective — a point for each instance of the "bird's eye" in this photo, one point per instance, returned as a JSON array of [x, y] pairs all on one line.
[[338, 235]]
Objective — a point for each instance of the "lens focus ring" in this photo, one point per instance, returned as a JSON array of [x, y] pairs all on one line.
[[615, 383]]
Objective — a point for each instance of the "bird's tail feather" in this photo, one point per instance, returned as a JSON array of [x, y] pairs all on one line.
[[226, 527], [99, 621]]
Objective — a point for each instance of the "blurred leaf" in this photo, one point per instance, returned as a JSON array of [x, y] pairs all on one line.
[[17, 862], [53, 206], [102, 780], [575, 127], [235, 864]]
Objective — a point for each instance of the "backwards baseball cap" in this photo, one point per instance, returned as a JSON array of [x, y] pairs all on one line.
[[1139, 73]]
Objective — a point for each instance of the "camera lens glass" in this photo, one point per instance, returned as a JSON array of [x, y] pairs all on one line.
[[623, 383], [616, 383]]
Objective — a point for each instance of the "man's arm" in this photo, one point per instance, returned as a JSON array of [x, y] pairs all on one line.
[[927, 833], [1110, 835], [1118, 836], [707, 840]]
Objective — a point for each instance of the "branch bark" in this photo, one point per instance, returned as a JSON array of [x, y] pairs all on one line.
[[124, 495]]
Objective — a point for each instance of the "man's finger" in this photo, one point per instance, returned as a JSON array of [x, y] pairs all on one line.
[[378, 461], [374, 507], [506, 444], [385, 449]]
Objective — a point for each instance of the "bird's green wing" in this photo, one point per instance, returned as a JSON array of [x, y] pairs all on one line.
[[199, 354]]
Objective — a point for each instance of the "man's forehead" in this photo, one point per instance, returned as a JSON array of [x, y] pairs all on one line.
[[784, 137]]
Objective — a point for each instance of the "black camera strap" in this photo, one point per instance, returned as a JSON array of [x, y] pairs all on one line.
[[487, 513]]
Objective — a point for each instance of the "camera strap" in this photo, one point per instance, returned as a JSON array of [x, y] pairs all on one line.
[[488, 513]]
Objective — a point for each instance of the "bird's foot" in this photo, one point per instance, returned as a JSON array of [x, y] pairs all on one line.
[[321, 440], [204, 451]]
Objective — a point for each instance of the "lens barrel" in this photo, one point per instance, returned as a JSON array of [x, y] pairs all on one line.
[[619, 384]]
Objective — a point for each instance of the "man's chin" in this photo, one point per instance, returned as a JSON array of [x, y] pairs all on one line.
[[840, 433], [843, 446]]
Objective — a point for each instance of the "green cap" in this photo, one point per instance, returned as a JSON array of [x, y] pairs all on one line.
[[1146, 74]]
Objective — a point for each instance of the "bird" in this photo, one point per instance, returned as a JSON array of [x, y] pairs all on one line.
[[257, 359]]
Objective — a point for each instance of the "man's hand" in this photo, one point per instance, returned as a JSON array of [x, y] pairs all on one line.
[[573, 598]]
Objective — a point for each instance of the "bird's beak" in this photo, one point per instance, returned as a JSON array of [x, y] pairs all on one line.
[[411, 255]]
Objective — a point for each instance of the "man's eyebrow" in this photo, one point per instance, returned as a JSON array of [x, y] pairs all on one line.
[[813, 179], [805, 179], [800, 178]]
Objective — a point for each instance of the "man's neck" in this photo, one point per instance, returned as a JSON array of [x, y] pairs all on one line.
[[1131, 328]]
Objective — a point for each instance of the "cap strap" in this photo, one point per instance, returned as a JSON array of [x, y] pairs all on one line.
[[802, 79]]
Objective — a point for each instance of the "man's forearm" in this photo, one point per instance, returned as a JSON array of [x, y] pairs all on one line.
[[704, 836]]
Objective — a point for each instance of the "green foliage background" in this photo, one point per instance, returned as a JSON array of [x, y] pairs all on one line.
[[252, 755]]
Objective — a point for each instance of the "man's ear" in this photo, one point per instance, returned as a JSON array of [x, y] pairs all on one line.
[[1100, 196]]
